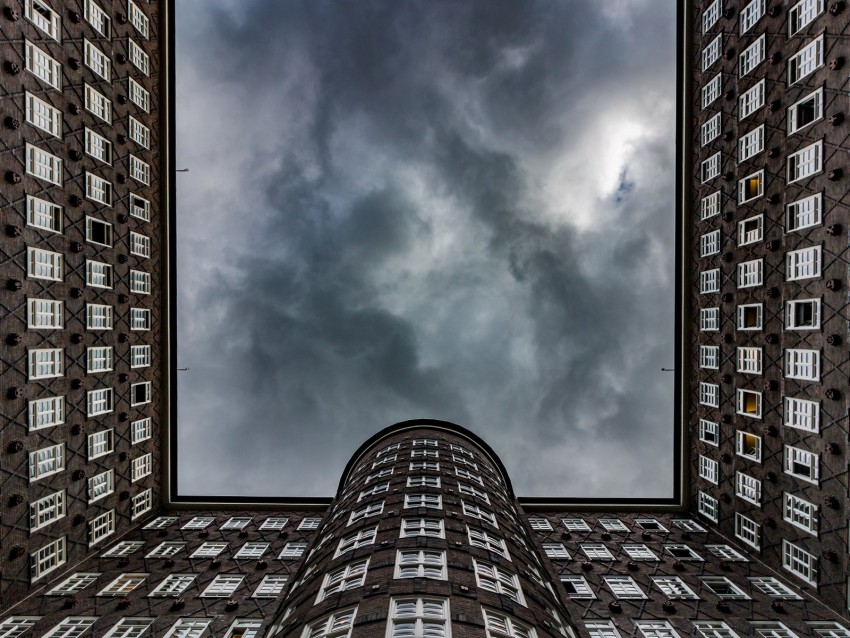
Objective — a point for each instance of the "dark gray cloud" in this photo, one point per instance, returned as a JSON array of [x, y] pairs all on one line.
[[454, 210]]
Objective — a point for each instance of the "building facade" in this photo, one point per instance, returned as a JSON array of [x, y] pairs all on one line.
[[425, 537], [770, 213]]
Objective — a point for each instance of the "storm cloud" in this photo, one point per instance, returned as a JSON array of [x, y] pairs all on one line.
[[437, 209]]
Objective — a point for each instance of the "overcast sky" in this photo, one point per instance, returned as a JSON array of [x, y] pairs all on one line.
[[457, 209]]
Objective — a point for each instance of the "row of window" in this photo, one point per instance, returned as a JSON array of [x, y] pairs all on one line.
[[541, 524], [49, 21], [800, 15], [51, 459], [48, 167], [75, 626], [801, 214], [640, 552], [800, 364], [800, 314], [804, 263], [625, 587], [715, 629], [45, 215]]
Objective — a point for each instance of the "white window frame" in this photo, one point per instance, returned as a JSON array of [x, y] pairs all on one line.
[[793, 113], [751, 144], [709, 432], [804, 263], [796, 458], [100, 401], [624, 587], [222, 586], [710, 206], [751, 100], [742, 403], [742, 317], [100, 443], [712, 90], [98, 104], [674, 588], [750, 273], [744, 191], [101, 485], [98, 359], [802, 364], [42, 66], [101, 527], [710, 243], [805, 163], [804, 213], [802, 14], [749, 360], [709, 319], [138, 95], [172, 586], [97, 60], [752, 56], [710, 129], [48, 509], [806, 61], [344, 578], [98, 18], [46, 412], [46, 461], [747, 531], [800, 513], [138, 132], [44, 215], [710, 167], [45, 314], [709, 281], [48, 558], [420, 563], [800, 562], [42, 115], [751, 14], [773, 587], [748, 488], [748, 445], [138, 58], [802, 414], [43, 165], [711, 53], [45, 363], [709, 394], [709, 469]]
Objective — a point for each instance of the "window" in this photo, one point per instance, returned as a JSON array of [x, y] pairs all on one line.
[[773, 588], [805, 111], [710, 168], [47, 509], [710, 206], [173, 585], [688, 525], [309, 523], [474, 511], [801, 463], [139, 133], [208, 550], [124, 548], [432, 527], [749, 360], [710, 244], [73, 584], [138, 19], [499, 625], [596, 551], [271, 586], [725, 552], [99, 190], [601, 629], [751, 144], [98, 104], [71, 627], [751, 100], [129, 628], [708, 469], [336, 625], [577, 587], [434, 501], [751, 57], [43, 116], [802, 14], [46, 363], [575, 524], [421, 466], [101, 485], [124, 584], [750, 273], [747, 530], [356, 540], [98, 232], [539, 524], [674, 587], [711, 129], [138, 95], [48, 558], [804, 163], [101, 444], [141, 209], [47, 412], [140, 245], [751, 187], [251, 551], [803, 213], [714, 629], [45, 314], [138, 57], [712, 90], [99, 274], [748, 445], [97, 61], [799, 562], [140, 319], [420, 564], [222, 586], [682, 552], [101, 527], [141, 503], [802, 364], [709, 281], [711, 15], [188, 628], [748, 488], [140, 171], [750, 317], [800, 513], [624, 587], [43, 165], [637, 551], [802, 414], [98, 146], [496, 579], [347, 577], [751, 14], [805, 61], [46, 461], [140, 356], [803, 264], [709, 432], [98, 18], [236, 522], [487, 541], [749, 403], [709, 319], [367, 511], [99, 402], [42, 16], [709, 394], [711, 53], [44, 215], [43, 66], [613, 525], [751, 230], [16, 626], [140, 393], [423, 481], [161, 522], [556, 551], [98, 359], [141, 467], [292, 550]]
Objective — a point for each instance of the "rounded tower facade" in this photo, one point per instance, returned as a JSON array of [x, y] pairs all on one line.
[[423, 539]]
